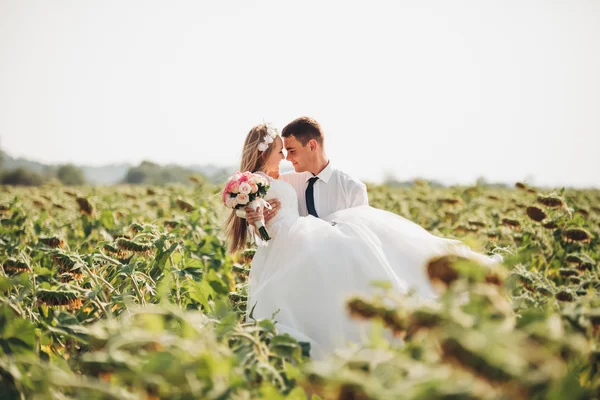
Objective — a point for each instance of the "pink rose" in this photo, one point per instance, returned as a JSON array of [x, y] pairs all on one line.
[[245, 188], [242, 199]]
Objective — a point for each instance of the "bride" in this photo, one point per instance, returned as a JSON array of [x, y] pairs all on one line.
[[311, 265]]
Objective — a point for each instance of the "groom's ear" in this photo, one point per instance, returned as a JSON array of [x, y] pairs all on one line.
[[312, 145]]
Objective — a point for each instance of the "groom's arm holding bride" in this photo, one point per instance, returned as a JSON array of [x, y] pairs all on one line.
[[347, 191]]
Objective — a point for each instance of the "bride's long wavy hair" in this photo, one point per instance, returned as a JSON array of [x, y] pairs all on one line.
[[253, 160]]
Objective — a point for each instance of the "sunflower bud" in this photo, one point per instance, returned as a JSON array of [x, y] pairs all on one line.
[[535, 213]]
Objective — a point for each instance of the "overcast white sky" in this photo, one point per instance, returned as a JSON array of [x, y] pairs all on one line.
[[449, 90]]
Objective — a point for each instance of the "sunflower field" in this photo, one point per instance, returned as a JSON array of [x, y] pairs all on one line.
[[128, 292]]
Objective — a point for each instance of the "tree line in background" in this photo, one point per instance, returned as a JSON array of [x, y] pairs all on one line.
[[147, 173]]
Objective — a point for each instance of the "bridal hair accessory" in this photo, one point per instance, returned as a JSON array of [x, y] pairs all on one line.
[[245, 189], [269, 137]]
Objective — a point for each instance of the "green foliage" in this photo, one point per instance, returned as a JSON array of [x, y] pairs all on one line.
[[149, 173], [70, 174], [128, 292], [22, 177]]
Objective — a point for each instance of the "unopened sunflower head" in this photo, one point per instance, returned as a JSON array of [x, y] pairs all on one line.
[[493, 235], [526, 281], [550, 225], [458, 353], [582, 262], [171, 224], [395, 321], [53, 242], [574, 259], [133, 247], [136, 228], [450, 200], [85, 206], [576, 235], [536, 213], [574, 280], [70, 276], [511, 223], [565, 296], [495, 275], [441, 271], [65, 262], [185, 206], [544, 291], [551, 200], [423, 319], [59, 298], [360, 308], [567, 272], [13, 267], [477, 223]]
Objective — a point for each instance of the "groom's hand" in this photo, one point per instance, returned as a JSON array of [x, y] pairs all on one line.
[[253, 216], [275, 206]]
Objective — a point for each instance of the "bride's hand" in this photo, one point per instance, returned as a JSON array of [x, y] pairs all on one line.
[[253, 216]]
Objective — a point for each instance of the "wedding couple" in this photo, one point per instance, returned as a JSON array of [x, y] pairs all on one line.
[[327, 242]]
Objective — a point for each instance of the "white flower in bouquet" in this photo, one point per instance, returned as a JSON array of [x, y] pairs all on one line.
[[230, 202], [242, 198], [245, 188]]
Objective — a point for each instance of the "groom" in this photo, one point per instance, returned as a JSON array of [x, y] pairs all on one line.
[[321, 188]]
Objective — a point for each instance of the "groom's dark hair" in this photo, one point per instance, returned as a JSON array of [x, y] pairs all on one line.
[[304, 129]]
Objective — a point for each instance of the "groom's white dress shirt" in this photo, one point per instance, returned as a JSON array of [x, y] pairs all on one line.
[[333, 191]]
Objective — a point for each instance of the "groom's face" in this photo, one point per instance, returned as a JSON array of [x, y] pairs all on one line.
[[297, 154]]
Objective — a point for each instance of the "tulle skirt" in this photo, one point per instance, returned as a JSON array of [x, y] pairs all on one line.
[[312, 266]]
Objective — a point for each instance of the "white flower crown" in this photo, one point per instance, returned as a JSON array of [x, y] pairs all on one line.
[[269, 137]]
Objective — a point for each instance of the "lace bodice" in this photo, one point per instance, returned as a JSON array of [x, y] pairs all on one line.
[[289, 203]]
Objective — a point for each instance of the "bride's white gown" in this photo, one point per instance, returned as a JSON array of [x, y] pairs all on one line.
[[311, 266]]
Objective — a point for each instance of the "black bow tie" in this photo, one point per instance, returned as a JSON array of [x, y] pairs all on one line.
[[310, 198]]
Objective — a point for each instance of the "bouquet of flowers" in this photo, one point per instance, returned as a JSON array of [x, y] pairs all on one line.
[[245, 189]]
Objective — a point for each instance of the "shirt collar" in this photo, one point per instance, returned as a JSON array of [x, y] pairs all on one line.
[[324, 175]]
